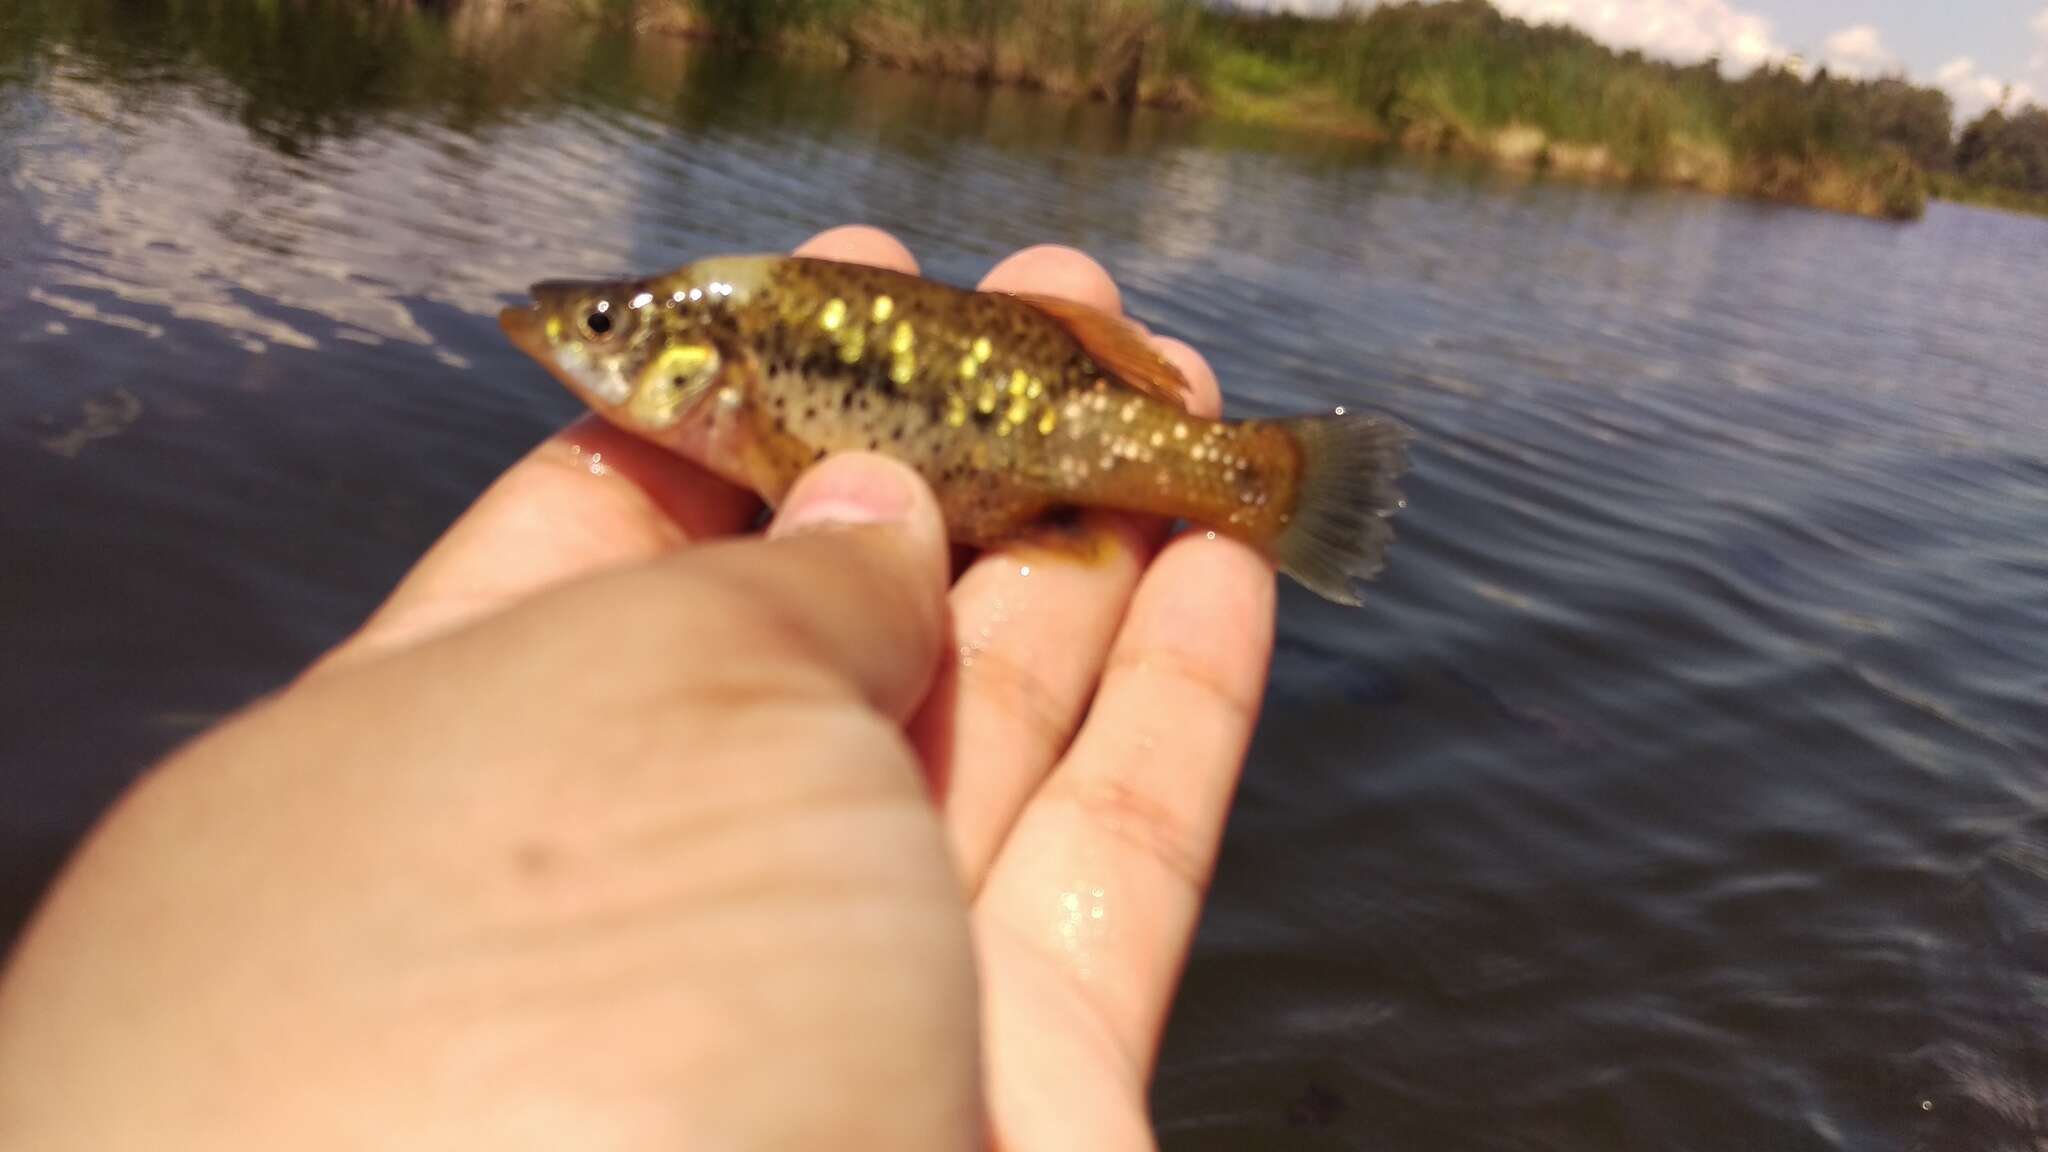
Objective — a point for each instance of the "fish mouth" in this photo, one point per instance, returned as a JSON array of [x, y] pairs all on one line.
[[526, 330]]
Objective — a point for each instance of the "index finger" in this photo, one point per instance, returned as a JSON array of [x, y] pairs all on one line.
[[589, 498]]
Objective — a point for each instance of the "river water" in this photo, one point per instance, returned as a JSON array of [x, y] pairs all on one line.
[[1681, 786]]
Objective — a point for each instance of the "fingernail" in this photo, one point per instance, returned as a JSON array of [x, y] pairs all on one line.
[[845, 492]]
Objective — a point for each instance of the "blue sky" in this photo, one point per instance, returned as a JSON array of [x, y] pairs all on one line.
[[1971, 48]]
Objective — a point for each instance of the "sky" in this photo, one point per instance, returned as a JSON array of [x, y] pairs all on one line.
[[1972, 49]]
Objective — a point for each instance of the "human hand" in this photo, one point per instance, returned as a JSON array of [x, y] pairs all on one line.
[[385, 918]]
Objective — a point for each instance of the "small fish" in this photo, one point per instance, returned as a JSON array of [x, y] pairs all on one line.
[[1012, 406]]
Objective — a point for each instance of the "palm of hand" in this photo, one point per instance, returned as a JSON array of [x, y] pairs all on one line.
[[1083, 758]]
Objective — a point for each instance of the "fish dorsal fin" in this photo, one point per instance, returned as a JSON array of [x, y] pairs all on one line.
[[1117, 345]]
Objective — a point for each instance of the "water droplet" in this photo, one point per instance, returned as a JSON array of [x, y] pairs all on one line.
[[1211, 535], [1340, 409], [1025, 570]]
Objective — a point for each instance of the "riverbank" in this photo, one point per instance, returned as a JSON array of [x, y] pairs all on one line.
[[1455, 78], [1949, 187]]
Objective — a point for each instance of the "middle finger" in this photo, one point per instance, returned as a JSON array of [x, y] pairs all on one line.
[[1033, 622]]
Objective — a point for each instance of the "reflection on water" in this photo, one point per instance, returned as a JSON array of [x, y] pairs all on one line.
[[1679, 787]]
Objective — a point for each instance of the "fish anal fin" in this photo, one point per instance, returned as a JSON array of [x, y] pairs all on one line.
[[1117, 345]]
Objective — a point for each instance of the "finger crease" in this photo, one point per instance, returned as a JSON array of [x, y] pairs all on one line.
[[1102, 1013], [1186, 671], [1133, 815], [1023, 695]]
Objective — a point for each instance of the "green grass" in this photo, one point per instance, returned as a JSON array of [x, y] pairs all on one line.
[[1457, 76], [1948, 186]]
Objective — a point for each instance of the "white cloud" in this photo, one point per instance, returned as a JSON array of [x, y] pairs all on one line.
[[1858, 50], [1684, 30], [1691, 30], [1974, 91]]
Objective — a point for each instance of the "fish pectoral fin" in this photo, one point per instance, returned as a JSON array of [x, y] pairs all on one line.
[[1117, 345]]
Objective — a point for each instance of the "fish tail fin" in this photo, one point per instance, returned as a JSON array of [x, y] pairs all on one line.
[[1337, 532]]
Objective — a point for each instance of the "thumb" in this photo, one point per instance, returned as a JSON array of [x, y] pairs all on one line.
[[855, 569]]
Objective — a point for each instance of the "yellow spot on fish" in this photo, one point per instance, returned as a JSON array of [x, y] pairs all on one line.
[[986, 402], [956, 411], [1180, 431], [903, 339], [969, 367], [1047, 422], [554, 329], [983, 349], [902, 368], [685, 359], [854, 346], [1034, 389], [1158, 438], [1019, 382], [1130, 411], [1019, 409], [655, 403], [670, 382], [884, 308], [834, 315]]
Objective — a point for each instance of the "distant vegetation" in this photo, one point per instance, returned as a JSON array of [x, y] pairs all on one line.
[[2002, 160], [1455, 77]]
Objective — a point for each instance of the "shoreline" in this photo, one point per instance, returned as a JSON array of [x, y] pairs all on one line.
[[1517, 147], [1635, 122]]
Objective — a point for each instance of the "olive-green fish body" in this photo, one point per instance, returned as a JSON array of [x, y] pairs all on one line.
[[1009, 406]]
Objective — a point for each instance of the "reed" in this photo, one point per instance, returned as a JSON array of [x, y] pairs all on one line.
[[1457, 76]]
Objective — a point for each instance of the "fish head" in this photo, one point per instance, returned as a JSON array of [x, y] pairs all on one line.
[[625, 348]]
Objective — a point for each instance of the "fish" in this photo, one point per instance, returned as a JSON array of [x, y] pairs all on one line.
[[1013, 407]]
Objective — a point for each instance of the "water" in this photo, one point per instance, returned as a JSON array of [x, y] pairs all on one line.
[[1680, 787]]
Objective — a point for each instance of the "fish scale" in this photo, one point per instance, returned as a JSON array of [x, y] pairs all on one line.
[[1009, 406]]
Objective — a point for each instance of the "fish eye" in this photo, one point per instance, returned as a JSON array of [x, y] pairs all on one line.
[[598, 321]]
